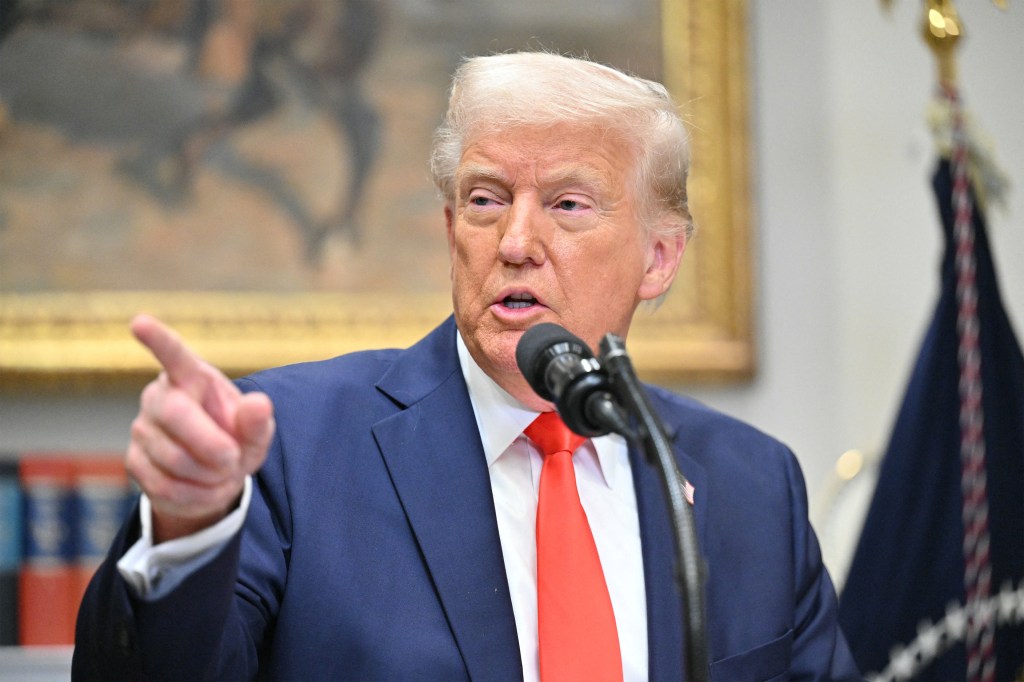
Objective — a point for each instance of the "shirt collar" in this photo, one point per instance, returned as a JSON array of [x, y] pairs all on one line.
[[501, 418]]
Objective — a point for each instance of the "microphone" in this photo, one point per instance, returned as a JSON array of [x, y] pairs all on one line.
[[561, 368]]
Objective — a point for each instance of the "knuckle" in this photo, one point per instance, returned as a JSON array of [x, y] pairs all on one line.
[[150, 395], [147, 482], [140, 429], [176, 407], [214, 452], [172, 460], [182, 464], [133, 463]]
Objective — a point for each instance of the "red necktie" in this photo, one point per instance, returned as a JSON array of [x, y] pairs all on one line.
[[576, 624]]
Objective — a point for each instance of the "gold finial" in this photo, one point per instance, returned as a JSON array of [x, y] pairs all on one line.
[[942, 29]]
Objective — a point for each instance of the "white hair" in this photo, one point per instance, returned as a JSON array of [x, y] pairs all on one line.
[[496, 92]]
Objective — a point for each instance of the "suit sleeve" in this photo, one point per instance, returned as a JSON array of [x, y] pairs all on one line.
[[820, 651], [198, 631], [213, 625]]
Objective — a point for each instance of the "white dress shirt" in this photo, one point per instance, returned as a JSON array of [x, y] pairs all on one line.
[[605, 482], [604, 479]]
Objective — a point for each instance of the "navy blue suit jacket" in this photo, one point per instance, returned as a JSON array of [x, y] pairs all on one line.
[[371, 548]]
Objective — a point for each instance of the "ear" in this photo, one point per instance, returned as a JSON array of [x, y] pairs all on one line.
[[664, 255], [449, 226]]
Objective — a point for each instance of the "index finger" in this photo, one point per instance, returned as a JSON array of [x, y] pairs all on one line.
[[180, 363]]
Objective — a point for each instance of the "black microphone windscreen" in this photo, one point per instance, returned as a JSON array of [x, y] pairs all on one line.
[[539, 345]]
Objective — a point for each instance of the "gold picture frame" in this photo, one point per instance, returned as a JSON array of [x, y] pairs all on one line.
[[702, 331]]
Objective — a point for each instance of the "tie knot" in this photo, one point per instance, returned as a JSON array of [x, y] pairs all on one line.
[[551, 434]]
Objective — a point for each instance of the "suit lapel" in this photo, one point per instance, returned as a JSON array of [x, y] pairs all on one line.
[[664, 598], [433, 453]]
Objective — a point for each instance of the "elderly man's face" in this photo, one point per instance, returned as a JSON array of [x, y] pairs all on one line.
[[544, 229]]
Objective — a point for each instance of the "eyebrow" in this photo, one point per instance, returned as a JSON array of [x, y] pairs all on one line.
[[579, 175], [479, 172]]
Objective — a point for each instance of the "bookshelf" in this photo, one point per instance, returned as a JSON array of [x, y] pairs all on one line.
[[35, 664], [59, 513]]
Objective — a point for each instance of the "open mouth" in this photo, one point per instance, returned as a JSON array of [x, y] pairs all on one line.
[[518, 301]]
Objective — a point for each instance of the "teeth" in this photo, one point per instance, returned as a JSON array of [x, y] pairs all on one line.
[[519, 301]]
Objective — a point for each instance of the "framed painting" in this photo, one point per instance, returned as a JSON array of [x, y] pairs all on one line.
[[254, 172]]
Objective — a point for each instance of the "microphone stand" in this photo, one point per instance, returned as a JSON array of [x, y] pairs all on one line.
[[690, 569]]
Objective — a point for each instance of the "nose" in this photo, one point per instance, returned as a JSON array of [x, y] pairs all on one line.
[[522, 236]]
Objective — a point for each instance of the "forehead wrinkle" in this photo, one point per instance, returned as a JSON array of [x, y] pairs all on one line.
[[576, 175]]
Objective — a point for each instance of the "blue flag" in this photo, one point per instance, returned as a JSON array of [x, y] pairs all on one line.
[[909, 564]]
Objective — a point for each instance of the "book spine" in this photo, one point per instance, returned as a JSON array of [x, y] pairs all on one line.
[[101, 504], [46, 582], [10, 548]]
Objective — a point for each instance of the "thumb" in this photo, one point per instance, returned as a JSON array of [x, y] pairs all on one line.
[[254, 428]]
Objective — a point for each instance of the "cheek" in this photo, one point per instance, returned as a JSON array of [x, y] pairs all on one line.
[[473, 250], [612, 266], [461, 263], [469, 263], [609, 287]]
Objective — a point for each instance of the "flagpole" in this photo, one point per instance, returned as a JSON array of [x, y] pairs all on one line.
[[942, 31]]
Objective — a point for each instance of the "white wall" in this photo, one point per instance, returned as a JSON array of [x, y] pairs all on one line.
[[848, 240], [847, 236]]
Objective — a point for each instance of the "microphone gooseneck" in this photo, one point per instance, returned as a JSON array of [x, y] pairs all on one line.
[[561, 368], [691, 572]]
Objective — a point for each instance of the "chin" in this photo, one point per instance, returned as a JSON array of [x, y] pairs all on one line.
[[504, 356], [498, 355]]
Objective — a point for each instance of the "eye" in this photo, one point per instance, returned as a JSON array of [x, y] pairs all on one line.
[[571, 205], [481, 197]]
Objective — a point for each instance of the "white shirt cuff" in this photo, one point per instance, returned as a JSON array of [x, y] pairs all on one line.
[[154, 571]]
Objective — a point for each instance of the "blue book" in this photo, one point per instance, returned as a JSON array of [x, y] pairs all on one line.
[[101, 492], [46, 607], [10, 548]]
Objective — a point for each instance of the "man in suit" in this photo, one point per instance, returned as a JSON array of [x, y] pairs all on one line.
[[372, 516]]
